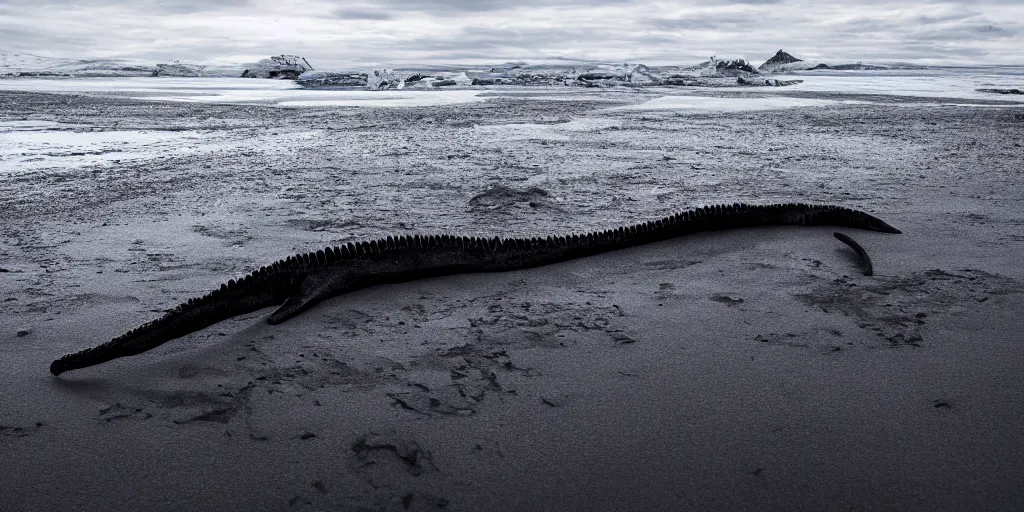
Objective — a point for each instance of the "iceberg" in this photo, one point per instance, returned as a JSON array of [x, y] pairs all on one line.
[[715, 67], [783, 62], [766, 82], [175, 68], [379, 79], [624, 74], [327, 79], [641, 75], [288, 67], [419, 80], [461, 79]]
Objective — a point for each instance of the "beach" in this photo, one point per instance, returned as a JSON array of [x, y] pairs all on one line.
[[753, 369]]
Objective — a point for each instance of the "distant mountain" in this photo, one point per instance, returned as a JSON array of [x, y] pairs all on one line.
[[783, 62], [25, 64], [15, 64], [779, 59]]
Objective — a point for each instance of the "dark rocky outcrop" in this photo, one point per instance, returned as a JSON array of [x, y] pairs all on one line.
[[331, 79], [719, 68], [413, 78], [1002, 91], [539, 79], [47, 74], [762, 82], [715, 67], [591, 77], [681, 80], [856, 66], [732, 67]]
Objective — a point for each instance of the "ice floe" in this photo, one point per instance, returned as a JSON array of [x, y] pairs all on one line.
[[327, 79], [442, 87], [720, 104], [383, 98], [27, 146]]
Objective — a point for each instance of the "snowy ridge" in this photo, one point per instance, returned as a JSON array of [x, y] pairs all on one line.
[[25, 64], [183, 69], [18, 64]]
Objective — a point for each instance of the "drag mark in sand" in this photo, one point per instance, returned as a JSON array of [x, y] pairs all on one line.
[[301, 281]]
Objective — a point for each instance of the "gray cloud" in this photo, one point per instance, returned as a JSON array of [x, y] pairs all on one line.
[[945, 18], [701, 21], [912, 49], [362, 14], [37, 38], [982, 31], [393, 32], [449, 7], [142, 6]]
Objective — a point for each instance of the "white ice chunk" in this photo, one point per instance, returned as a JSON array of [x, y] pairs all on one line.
[[381, 79], [278, 66], [460, 79]]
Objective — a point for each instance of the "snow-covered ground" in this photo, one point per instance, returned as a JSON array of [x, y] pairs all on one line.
[[240, 90], [952, 83], [738, 370], [216, 89], [27, 145]]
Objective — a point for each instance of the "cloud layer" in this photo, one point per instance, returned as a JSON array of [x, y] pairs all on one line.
[[342, 34]]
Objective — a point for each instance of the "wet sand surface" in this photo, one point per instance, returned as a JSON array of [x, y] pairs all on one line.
[[751, 369]]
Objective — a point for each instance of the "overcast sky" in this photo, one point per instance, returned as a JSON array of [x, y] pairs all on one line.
[[337, 34]]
